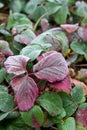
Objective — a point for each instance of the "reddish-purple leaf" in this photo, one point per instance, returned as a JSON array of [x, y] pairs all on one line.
[[81, 116], [64, 85], [52, 67], [44, 24], [83, 32], [5, 49], [16, 64], [16, 82], [70, 28], [44, 55], [26, 92]]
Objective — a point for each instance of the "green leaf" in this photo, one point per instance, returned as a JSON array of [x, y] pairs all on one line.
[[52, 7], [40, 10], [2, 74], [10, 127], [64, 41], [69, 105], [16, 5], [3, 88], [6, 102], [2, 26], [30, 7], [17, 19], [32, 51], [11, 21], [79, 126], [61, 115], [79, 48], [61, 15], [17, 122], [18, 46], [24, 24], [34, 117], [84, 22], [51, 102], [8, 78], [3, 116], [71, 2], [77, 94], [83, 105], [7, 35], [81, 8], [58, 118], [13, 115], [69, 124]]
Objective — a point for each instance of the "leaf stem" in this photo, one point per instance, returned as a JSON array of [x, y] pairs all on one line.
[[36, 24]]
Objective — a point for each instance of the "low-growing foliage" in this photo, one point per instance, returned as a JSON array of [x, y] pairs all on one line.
[[43, 82]]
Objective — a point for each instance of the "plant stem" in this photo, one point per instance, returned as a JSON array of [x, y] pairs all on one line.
[[36, 24]]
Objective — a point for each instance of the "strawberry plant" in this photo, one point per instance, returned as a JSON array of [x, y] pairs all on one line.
[[43, 75]]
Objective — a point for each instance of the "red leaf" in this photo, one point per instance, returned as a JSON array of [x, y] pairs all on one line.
[[81, 116], [64, 85], [70, 28], [52, 67], [16, 64], [26, 92], [16, 82], [83, 32]]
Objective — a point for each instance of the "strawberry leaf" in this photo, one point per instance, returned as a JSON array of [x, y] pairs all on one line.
[[34, 117], [64, 85], [82, 31], [25, 37], [51, 67], [6, 102], [69, 124], [32, 51], [5, 49], [79, 48], [81, 116], [16, 64], [69, 104], [77, 94], [26, 92], [51, 102], [2, 74]]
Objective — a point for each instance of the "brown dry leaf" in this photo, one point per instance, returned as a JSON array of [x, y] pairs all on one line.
[[79, 83]]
